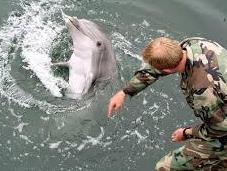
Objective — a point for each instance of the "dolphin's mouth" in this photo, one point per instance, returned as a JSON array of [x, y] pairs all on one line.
[[76, 26], [65, 17], [72, 21]]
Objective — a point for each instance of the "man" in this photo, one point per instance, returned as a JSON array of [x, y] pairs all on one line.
[[202, 65]]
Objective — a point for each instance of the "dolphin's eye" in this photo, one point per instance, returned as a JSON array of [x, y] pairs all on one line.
[[98, 43]]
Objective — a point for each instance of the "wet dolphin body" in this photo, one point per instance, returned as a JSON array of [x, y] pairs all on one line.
[[93, 59]]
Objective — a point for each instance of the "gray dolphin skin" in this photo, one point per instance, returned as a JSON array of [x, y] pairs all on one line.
[[93, 60]]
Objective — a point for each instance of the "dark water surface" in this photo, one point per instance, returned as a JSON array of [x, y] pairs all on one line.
[[41, 132]]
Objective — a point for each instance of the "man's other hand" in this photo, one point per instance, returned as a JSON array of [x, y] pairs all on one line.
[[178, 135]]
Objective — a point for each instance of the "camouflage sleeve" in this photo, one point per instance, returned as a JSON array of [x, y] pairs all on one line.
[[142, 78], [211, 108]]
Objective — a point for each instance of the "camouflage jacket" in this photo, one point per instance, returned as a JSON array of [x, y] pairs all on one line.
[[203, 84]]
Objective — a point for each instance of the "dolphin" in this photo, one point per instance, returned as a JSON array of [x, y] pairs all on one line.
[[93, 60]]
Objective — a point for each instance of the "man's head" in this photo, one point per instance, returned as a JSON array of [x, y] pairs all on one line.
[[163, 53]]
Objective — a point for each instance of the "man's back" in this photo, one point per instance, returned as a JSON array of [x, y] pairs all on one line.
[[205, 88]]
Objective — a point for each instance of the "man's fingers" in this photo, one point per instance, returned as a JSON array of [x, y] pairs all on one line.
[[110, 109], [173, 139], [174, 134], [117, 107], [113, 107]]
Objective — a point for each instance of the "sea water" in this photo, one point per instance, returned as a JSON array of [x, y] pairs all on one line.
[[42, 130]]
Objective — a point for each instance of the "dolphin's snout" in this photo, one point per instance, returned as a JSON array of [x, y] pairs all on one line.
[[70, 20], [63, 14], [66, 17]]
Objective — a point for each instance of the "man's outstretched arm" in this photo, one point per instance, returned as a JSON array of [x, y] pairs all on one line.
[[142, 79]]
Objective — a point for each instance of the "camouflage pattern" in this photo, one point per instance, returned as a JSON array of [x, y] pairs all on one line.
[[195, 156], [142, 79], [204, 86]]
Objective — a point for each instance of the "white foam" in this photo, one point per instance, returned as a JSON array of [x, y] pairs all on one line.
[[14, 114], [45, 118], [136, 133], [144, 101], [120, 42], [54, 145], [21, 126], [145, 23], [24, 137], [36, 46], [153, 109], [163, 32], [94, 141]]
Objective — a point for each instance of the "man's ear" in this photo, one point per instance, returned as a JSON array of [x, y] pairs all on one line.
[[169, 71]]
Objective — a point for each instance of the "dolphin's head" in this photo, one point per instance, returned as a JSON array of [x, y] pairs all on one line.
[[85, 27], [93, 54]]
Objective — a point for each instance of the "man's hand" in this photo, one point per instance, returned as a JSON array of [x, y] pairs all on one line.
[[178, 135], [116, 103]]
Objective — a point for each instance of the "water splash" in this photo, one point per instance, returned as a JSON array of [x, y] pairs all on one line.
[[29, 35]]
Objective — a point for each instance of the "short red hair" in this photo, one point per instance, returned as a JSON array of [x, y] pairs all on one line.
[[163, 53]]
